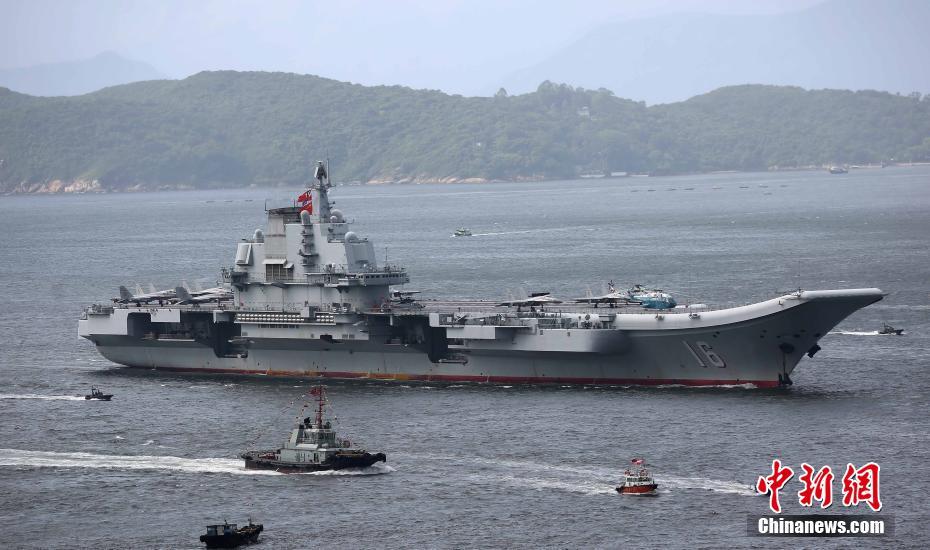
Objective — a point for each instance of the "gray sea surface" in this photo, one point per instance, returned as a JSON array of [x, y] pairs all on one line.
[[472, 466]]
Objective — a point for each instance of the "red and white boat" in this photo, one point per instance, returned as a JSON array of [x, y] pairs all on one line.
[[637, 480]]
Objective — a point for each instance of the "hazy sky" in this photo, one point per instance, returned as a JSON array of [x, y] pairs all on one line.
[[459, 46]]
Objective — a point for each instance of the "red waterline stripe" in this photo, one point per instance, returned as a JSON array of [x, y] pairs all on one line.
[[484, 379]]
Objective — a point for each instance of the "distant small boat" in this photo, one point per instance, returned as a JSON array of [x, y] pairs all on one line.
[[230, 536], [888, 329], [462, 232], [98, 395], [637, 480], [838, 170]]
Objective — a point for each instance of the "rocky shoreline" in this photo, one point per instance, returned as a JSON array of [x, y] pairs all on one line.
[[57, 186], [80, 186]]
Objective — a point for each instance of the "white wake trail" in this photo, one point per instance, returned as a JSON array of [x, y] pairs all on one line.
[[377, 468], [39, 396], [589, 480], [46, 459], [546, 484], [715, 485]]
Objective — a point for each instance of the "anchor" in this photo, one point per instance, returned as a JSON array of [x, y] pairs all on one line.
[[786, 349]]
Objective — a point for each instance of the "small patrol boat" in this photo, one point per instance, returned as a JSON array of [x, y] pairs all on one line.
[[312, 447], [98, 395], [838, 170], [888, 329], [462, 232], [637, 480], [229, 535]]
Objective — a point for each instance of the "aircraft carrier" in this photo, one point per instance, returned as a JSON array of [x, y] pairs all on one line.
[[306, 297]]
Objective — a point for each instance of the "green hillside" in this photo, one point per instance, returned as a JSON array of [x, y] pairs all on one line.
[[229, 128]]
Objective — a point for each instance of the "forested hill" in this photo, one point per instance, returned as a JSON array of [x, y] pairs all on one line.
[[230, 128]]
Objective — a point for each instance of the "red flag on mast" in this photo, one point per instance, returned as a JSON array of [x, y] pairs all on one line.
[[305, 201]]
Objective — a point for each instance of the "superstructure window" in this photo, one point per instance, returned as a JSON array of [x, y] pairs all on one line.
[[278, 272]]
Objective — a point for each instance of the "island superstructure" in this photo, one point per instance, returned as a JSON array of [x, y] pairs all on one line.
[[309, 299]]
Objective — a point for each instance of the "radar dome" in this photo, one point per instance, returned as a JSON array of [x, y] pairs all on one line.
[[305, 217], [336, 216], [258, 236], [351, 237]]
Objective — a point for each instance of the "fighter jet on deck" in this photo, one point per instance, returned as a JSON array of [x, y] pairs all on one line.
[[535, 299], [126, 297], [216, 294], [611, 298]]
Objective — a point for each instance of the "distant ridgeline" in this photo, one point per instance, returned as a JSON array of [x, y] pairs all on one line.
[[233, 129]]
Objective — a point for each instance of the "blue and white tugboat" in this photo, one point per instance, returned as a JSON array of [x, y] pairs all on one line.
[[312, 447]]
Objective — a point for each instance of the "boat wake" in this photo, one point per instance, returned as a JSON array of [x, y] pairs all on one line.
[[747, 386], [855, 333], [38, 396], [915, 307], [375, 469], [546, 484], [46, 459], [585, 480], [526, 231], [701, 483]]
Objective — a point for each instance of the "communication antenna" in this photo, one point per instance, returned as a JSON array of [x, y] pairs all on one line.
[[799, 276], [329, 175]]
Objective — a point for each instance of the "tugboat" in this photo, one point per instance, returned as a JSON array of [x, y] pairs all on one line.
[[229, 536], [888, 329], [462, 232], [98, 395], [637, 480], [312, 447]]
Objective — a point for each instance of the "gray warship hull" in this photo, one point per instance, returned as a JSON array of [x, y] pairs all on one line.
[[254, 461], [306, 298], [759, 344]]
